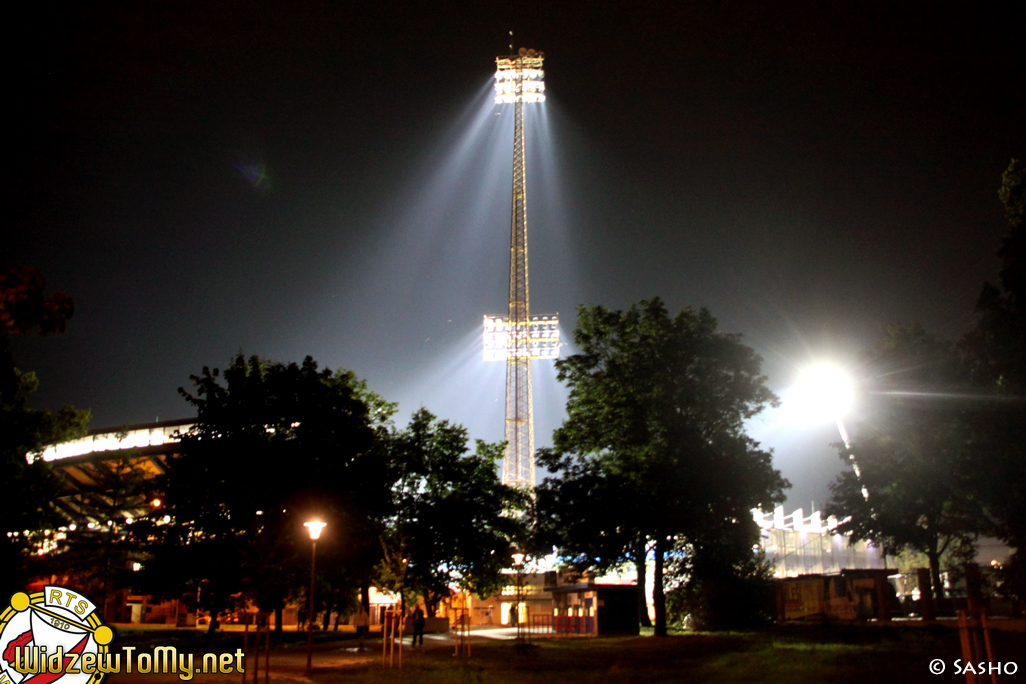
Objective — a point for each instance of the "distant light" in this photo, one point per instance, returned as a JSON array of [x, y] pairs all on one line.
[[156, 503], [518, 559], [136, 567], [315, 527]]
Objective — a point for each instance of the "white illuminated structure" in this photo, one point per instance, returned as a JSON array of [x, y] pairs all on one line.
[[114, 440], [519, 337], [797, 544]]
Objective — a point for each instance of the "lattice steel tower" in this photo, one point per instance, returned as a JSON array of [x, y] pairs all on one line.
[[518, 337]]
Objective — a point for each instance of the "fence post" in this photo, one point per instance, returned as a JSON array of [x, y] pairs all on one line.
[[926, 608], [245, 647], [267, 655], [967, 650]]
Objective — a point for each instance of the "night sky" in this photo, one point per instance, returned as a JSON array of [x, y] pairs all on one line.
[[331, 179]]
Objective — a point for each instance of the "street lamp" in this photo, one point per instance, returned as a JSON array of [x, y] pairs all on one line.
[[518, 562], [314, 527]]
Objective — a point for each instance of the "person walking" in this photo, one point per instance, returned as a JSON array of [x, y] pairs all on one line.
[[418, 625], [360, 622]]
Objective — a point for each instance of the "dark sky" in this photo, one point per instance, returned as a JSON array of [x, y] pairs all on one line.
[[330, 179]]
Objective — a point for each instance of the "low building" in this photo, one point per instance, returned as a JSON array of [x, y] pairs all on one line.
[[502, 609], [846, 596], [594, 609]]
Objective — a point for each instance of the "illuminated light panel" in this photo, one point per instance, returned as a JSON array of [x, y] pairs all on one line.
[[543, 337], [519, 79]]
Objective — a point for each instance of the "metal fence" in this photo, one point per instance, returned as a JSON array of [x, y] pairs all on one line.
[[564, 625]]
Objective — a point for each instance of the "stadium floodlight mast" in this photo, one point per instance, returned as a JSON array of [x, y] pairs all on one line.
[[519, 337], [825, 391]]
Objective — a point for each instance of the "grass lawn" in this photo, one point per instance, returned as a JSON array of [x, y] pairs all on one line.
[[786, 655]]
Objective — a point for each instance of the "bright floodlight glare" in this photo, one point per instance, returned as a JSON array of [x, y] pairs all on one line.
[[823, 392], [520, 78], [542, 333], [315, 527]]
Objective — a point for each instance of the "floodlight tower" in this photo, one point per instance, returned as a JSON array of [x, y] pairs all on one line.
[[518, 337]]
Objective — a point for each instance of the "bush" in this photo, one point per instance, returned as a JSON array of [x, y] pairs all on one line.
[[723, 584]]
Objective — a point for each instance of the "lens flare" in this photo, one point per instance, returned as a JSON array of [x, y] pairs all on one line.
[[823, 392], [255, 174]]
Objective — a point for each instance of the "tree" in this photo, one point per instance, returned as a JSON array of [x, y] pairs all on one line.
[[453, 522], [654, 447], [274, 444], [995, 353], [24, 307], [581, 512], [719, 583], [995, 348], [912, 453], [29, 486]]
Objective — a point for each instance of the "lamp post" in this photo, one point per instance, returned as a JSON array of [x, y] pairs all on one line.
[[518, 563], [314, 527]]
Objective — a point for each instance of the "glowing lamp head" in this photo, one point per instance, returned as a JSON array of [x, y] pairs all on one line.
[[519, 78], [823, 392], [518, 559], [315, 527]]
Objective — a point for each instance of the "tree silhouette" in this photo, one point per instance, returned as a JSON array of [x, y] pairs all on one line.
[[912, 452], [29, 486], [654, 447]]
